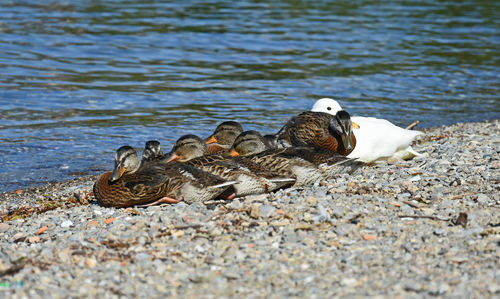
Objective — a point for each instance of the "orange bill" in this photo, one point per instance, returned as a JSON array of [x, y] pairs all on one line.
[[234, 153], [117, 173], [211, 139], [173, 157]]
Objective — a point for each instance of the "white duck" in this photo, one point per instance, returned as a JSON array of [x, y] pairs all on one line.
[[376, 139]]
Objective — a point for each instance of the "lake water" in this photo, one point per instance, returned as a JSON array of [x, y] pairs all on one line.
[[79, 79]]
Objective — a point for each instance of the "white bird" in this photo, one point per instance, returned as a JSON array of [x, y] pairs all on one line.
[[376, 139]]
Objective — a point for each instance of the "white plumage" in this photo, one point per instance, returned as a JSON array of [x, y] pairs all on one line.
[[376, 139]]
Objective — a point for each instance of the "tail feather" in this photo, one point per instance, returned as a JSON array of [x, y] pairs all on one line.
[[281, 182], [348, 166], [222, 185], [407, 154]]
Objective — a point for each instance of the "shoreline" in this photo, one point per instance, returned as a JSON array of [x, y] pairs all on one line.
[[419, 127], [412, 228]]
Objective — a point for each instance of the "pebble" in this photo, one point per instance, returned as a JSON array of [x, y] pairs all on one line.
[[344, 237], [66, 224], [4, 227], [482, 198]]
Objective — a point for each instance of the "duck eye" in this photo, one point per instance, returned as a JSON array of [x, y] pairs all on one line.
[[328, 108]]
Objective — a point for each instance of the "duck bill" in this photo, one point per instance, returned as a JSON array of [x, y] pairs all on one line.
[[173, 157], [117, 173], [346, 140], [355, 125], [234, 153], [211, 139]]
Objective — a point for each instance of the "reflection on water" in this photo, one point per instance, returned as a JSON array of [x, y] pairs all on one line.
[[81, 79]]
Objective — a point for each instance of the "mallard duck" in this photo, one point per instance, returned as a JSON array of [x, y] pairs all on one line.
[[223, 136], [252, 145], [377, 139], [305, 172], [153, 153], [250, 177], [319, 129], [131, 184]]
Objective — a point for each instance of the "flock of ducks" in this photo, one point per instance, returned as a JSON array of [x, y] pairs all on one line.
[[314, 145]]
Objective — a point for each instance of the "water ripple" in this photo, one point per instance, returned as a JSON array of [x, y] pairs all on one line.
[[81, 79]]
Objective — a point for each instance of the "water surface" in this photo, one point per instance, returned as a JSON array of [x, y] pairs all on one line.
[[81, 78]]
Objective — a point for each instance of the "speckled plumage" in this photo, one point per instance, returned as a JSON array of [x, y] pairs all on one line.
[[251, 178], [333, 133], [306, 163], [146, 184]]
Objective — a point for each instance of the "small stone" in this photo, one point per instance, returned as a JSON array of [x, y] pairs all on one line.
[[439, 232], [4, 227], [41, 230], [216, 232], [34, 239], [90, 262], [93, 223], [66, 224], [231, 274], [307, 217], [18, 237], [255, 211], [482, 198], [440, 289], [369, 237], [311, 201], [427, 211], [266, 210], [494, 288], [235, 204], [349, 281]]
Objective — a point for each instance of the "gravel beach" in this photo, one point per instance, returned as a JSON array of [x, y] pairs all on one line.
[[419, 228]]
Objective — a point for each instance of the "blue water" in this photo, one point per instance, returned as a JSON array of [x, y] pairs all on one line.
[[79, 79]]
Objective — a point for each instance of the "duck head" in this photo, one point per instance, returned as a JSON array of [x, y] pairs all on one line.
[[247, 143], [326, 105], [152, 151], [186, 148], [270, 140], [126, 161], [329, 106], [225, 133], [341, 125]]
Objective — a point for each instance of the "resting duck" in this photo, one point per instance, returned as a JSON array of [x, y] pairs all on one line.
[[223, 136], [319, 129], [377, 139], [250, 178], [134, 183], [252, 144]]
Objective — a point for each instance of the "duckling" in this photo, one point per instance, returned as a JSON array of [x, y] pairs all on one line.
[[223, 136], [152, 151], [377, 139], [252, 145], [319, 129], [130, 184], [250, 177]]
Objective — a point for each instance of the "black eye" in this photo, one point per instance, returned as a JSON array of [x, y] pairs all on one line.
[[329, 108]]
